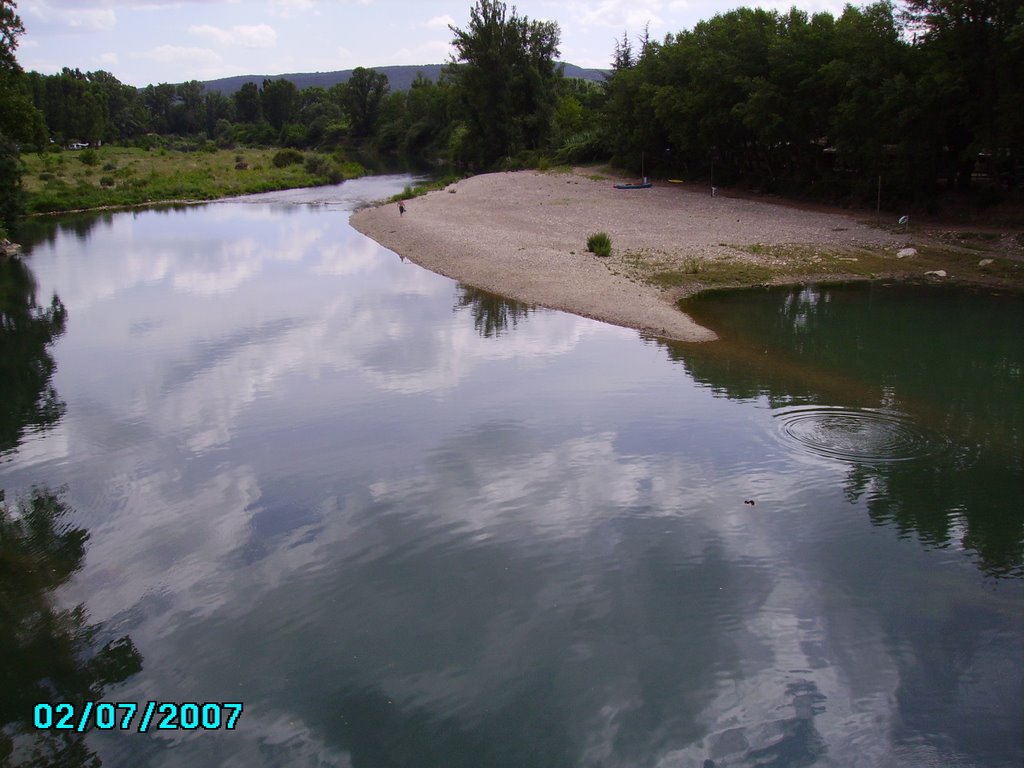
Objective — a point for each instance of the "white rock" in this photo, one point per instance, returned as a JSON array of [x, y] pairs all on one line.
[[985, 262], [936, 273], [903, 253]]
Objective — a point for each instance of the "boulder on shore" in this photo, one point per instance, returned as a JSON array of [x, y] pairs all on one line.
[[7, 248]]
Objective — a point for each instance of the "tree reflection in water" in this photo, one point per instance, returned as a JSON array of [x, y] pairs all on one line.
[[493, 315], [28, 401], [48, 654], [950, 361]]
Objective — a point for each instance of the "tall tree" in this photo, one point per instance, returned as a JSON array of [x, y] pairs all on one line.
[[505, 76], [364, 94], [247, 103], [975, 72], [188, 114], [276, 99], [20, 121], [11, 29]]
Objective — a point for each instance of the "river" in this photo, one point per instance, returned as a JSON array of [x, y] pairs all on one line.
[[403, 522]]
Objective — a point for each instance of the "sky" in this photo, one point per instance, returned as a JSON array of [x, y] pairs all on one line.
[[155, 41]]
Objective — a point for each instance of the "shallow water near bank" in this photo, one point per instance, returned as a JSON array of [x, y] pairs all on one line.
[[406, 522]]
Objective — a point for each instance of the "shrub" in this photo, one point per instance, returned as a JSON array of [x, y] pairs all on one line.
[[110, 166], [88, 156], [600, 244], [316, 165], [286, 157], [106, 181]]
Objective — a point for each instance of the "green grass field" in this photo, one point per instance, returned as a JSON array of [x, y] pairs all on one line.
[[124, 176]]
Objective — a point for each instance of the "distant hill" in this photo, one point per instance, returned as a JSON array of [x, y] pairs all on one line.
[[399, 78]]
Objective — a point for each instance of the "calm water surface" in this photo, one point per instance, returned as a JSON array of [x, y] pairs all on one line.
[[407, 523]]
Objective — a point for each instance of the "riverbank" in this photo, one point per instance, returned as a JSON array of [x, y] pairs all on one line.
[[125, 177], [524, 235]]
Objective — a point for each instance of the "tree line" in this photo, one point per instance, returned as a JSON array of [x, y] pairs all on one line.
[[928, 96], [921, 97], [94, 107]]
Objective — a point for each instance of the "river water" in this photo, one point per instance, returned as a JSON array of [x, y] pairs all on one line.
[[407, 523]]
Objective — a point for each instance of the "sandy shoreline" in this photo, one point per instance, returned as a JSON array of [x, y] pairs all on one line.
[[523, 235]]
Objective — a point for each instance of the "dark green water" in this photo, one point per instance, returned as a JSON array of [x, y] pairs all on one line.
[[407, 523]]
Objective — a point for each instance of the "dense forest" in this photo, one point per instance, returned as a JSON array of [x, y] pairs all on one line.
[[925, 97]]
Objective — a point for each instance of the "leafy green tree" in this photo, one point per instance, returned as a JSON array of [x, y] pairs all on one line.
[[123, 106], [89, 106], [799, 104], [247, 103], [12, 196], [11, 29], [363, 96], [188, 114], [505, 79], [20, 121], [392, 122], [623, 56], [216, 107], [427, 117], [314, 110], [975, 77], [159, 100], [276, 100]]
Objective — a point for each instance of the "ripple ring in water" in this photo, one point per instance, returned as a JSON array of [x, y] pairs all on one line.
[[860, 435]]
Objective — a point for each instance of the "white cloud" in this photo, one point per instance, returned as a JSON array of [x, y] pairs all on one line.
[[288, 8], [440, 22], [167, 54], [618, 14], [245, 36], [187, 62], [43, 15], [108, 59]]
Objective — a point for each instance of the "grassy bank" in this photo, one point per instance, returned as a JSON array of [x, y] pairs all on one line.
[[753, 265], [421, 189], [125, 176]]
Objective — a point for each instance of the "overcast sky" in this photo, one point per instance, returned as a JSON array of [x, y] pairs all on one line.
[[153, 41]]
